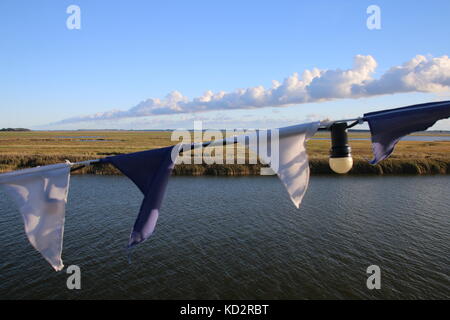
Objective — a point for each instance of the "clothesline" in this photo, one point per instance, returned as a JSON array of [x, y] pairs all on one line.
[[324, 126], [433, 110]]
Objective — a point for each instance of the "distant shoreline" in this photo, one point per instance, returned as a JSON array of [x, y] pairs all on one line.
[[392, 166]]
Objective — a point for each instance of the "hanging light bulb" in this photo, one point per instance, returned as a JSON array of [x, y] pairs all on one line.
[[341, 160]]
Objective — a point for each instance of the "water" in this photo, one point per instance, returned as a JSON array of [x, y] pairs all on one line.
[[233, 238], [406, 138], [86, 138], [79, 137]]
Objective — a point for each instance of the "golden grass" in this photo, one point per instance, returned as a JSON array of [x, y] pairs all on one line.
[[20, 150]]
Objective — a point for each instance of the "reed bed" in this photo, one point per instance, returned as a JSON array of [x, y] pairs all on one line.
[[20, 150]]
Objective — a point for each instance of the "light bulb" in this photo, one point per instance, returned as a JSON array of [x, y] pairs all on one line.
[[341, 165], [341, 160]]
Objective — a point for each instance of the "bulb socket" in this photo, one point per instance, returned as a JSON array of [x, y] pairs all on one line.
[[339, 141]]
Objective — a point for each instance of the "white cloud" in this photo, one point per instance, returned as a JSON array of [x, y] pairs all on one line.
[[420, 74]]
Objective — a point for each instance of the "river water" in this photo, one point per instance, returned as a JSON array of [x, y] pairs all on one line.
[[406, 138], [242, 238]]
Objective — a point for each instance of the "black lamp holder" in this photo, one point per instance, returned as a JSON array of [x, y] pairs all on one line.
[[339, 141]]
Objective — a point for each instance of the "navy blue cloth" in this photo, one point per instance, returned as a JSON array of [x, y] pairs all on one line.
[[389, 126], [150, 171]]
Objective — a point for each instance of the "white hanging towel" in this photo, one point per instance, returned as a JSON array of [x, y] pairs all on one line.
[[41, 195], [285, 150]]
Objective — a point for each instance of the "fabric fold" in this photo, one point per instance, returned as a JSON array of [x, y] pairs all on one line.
[[41, 195], [150, 171], [284, 150], [389, 126]]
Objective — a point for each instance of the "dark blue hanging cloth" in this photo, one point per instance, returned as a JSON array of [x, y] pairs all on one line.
[[150, 171], [389, 126]]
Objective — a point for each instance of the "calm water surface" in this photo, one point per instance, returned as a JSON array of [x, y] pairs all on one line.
[[406, 138], [241, 238]]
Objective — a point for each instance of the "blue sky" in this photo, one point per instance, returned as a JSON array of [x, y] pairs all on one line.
[[129, 51]]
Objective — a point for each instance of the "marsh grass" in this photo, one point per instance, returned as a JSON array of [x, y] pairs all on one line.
[[19, 150]]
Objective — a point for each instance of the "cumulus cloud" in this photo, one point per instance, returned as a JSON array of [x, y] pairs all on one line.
[[420, 74]]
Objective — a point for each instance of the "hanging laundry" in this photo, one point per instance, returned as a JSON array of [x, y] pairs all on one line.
[[41, 194], [389, 126], [285, 150], [150, 171]]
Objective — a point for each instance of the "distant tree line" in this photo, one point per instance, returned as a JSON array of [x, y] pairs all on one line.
[[15, 129]]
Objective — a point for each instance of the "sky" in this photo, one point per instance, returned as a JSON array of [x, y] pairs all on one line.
[[232, 64]]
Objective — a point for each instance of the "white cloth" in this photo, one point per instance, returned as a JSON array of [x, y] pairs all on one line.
[[41, 195], [287, 156]]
